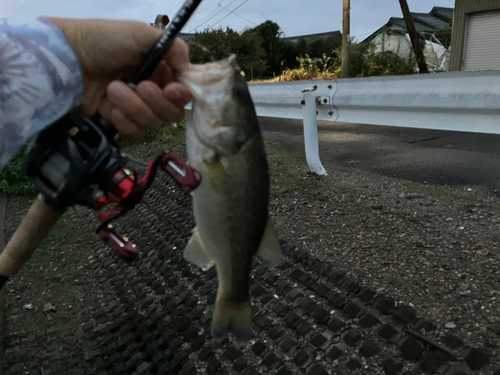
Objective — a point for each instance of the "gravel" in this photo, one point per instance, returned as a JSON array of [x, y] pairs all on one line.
[[438, 254], [370, 260]]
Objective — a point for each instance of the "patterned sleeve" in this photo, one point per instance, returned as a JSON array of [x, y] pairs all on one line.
[[40, 80]]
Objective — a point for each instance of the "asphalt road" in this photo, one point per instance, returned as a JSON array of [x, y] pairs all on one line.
[[432, 156]]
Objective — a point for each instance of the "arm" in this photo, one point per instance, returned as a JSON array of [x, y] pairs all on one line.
[[48, 68], [40, 80]]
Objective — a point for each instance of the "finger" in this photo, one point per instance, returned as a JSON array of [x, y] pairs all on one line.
[[124, 126], [177, 56], [167, 110], [162, 74], [132, 106], [178, 94]]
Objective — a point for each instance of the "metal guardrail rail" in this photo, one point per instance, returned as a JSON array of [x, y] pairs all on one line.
[[459, 101]]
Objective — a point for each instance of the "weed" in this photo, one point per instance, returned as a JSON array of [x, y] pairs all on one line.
[[310, 69], [344, 185], [13, 179], [169, 133], [288, 170], [465, 197], [398, 212], [439, 191]]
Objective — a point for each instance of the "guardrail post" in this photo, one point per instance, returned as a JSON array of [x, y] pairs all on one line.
[[311, 140]]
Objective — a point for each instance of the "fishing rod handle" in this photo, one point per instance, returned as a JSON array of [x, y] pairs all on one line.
[[35, 226]]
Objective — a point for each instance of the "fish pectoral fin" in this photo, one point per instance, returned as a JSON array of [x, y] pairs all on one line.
[[216, 172], [209, 156], [195, 253], [270, 250], [233, 139]]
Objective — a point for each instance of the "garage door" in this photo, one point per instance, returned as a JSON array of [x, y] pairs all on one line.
[[482, 42]]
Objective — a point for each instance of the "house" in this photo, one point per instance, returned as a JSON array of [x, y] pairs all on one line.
[[427, 24], [186, 36], [393, 36], [476, 32], [295, 39]]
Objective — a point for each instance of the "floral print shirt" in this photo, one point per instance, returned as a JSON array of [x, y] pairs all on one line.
[[40, 80]]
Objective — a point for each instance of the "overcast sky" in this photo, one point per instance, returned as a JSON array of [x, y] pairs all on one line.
[[295, 17]]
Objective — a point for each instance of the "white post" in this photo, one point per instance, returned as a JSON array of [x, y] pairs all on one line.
[[311, 140]]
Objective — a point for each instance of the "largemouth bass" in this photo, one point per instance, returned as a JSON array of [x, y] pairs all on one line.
[[225, 144]]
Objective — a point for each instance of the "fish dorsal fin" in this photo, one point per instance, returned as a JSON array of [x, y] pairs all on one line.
[[270, 250], [195, 253]]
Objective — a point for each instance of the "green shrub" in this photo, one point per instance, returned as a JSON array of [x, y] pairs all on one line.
[[366, 63], [13, 179], [444, 35]]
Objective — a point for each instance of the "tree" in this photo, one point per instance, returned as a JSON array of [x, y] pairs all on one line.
[[269, 32], [332, 42], [316, 47], [302, 47], [289, 53], [261, 51], [444, 36], [221, 43]]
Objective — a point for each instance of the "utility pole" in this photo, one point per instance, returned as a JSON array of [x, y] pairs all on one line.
[[346, 39], [414, 37]]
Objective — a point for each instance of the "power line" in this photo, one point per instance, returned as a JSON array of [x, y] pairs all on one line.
[[200, 12], [171, 6], [231, 12], [209, 17], [237, 15]]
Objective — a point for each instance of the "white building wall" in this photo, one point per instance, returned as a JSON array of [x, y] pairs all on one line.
[[435, 54]]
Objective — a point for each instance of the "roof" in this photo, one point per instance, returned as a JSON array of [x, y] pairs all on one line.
[[433, 22], [443, 13], [427, 23], [186, 36], [420, 25], [310, 36]]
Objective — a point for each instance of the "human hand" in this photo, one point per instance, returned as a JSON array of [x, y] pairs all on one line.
[[109, 52]]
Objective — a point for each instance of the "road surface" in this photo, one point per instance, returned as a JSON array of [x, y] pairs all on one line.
[[433, 156]]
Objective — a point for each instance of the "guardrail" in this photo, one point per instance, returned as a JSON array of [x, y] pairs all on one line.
[[461, 101]]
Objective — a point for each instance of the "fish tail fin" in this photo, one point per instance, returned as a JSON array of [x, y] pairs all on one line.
[[232, 316]]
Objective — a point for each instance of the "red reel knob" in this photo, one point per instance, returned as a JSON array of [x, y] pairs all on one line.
[[123, 247]]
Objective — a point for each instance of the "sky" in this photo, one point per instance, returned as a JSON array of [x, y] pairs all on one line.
[[295, 17]]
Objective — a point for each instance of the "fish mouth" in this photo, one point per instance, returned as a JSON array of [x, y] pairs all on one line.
[[211, 85], [210, 82]]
